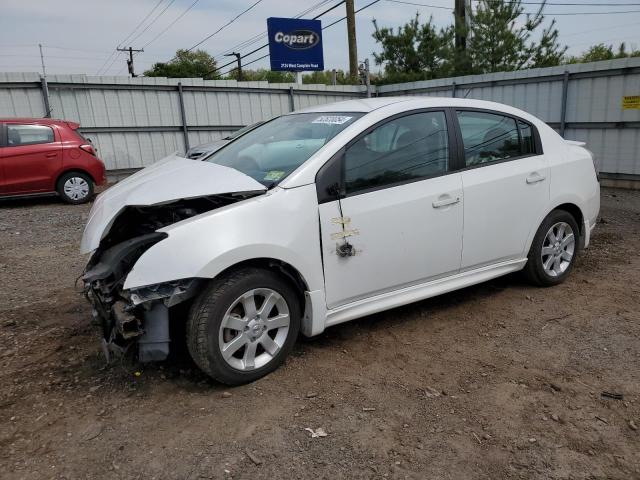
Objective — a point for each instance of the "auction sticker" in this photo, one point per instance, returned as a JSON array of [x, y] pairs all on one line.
[[332, 119], [274, 175]]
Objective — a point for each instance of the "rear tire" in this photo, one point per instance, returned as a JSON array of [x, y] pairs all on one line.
[[554, 250], [75, 188], [243, 326]]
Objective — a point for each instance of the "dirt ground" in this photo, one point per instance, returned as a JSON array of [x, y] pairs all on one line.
[[500, 380]]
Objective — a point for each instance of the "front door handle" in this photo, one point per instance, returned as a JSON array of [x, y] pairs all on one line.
[[445, 201], [535, 177]]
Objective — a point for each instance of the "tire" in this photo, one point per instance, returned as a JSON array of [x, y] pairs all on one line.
[[552, 265], [75, 188], [224, 351]]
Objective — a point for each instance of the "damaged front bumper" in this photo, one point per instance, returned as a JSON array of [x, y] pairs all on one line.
[[137, 317]]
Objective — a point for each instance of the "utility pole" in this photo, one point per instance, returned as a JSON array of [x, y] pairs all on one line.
[[45, 85], [351, 35], [238, 58], [460, 24], [130, 60]]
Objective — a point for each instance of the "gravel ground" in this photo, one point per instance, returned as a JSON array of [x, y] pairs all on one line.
[[500, 380]]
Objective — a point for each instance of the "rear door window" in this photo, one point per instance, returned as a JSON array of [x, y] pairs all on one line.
[[28, 135], [488, 137]]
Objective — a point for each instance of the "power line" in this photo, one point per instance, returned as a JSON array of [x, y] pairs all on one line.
[[260, 36], [115, 51], [171, 24], [150, 23], [582, 13], [550, 14], [563, 4], [419, 4], [141, 22], [264, 46], [224, 26]]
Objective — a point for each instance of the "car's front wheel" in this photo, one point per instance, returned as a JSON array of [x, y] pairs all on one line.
[[554, 249], [243, 326], [75, 187]]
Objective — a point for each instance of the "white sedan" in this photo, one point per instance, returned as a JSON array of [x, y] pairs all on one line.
[[329, 214]]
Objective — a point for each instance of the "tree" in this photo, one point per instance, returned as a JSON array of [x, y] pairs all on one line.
[[186, 64], [499, 41], [326, 77], [262, 75], [414, 51], [496, 41], [603, 52]]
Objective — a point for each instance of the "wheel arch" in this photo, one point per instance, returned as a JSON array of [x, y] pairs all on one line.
[[284, 269], [573, 209], [73, 170]]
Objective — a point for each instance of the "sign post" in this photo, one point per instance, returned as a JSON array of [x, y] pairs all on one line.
[[295, 45]]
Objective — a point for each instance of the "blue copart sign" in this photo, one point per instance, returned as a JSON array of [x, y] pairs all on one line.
[[295, 44]]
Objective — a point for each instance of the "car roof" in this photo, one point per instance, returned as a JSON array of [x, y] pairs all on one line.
[[366, 105], [44, 121]]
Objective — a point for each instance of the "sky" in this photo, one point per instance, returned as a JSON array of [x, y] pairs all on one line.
[[80, 36]]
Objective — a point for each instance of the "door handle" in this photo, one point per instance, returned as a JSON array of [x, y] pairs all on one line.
[[51, 155], [445, 201], [535, 177]]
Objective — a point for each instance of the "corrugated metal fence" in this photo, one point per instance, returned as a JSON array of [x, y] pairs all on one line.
[[134, 122], [582, 101]]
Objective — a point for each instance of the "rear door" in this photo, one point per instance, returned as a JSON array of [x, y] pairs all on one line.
[[399, 222], [505, 178], [32, 158]]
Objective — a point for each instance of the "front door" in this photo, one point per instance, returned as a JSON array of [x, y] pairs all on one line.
[[505, 178], [32, 157], [399, 222]]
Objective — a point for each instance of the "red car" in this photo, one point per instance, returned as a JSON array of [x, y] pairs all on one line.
[[42, 155]]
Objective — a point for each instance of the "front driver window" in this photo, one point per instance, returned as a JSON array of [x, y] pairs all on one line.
[[405, 149]]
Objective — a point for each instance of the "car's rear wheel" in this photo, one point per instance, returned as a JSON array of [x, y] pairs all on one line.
[[75, 187], [243, 326], [554, 249]]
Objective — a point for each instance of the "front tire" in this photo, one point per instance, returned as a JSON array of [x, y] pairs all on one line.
[[554, 250], [243, 326], [75, 188]]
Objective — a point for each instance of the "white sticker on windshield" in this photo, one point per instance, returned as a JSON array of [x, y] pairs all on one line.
[[332, 119]]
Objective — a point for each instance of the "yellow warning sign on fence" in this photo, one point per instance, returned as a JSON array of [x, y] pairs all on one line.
[[631, 103]]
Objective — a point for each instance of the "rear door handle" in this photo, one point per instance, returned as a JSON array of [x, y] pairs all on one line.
[[535, 177], [445, 201], [51, 155]]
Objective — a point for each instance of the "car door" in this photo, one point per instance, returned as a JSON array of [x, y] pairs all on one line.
[[399, 219], [505, 177], [32, 157]]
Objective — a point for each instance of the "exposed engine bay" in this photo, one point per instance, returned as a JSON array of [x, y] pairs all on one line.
[[141, 316]]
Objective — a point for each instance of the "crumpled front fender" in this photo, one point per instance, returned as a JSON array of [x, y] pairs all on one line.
[[282, 225]]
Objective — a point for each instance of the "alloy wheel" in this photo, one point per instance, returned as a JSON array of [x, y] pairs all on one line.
[[254, 329], [558, 249]]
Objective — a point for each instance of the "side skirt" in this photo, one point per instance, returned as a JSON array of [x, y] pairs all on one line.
[[415, 293]]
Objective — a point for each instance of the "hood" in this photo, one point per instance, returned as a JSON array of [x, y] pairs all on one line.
[[170, 179]]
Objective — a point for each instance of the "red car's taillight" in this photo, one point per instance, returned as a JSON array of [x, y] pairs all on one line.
[[89, 149]]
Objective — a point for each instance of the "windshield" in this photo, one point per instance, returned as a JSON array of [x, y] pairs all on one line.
[[242, 131], [272, 151]]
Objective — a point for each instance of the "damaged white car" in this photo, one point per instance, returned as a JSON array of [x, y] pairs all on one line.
[[329, 214]]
